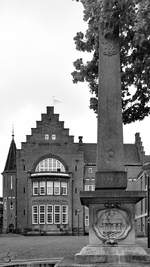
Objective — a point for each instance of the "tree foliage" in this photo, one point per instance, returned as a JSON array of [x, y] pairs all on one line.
[[130, 20]]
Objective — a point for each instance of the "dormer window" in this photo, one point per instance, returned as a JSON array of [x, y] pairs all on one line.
[[46, 136], [53, 137]]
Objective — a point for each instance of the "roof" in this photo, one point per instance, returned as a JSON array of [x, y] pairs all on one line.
[[147, 158], [130, 153], [11, 158]]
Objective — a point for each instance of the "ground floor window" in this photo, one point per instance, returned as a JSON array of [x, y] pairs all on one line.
[[64, 214], [35, 214], [57, 214], [50, 214], [42, 214]]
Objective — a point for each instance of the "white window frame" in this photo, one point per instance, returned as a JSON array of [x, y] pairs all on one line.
[[64, 188], [41, 213], [46, 136], [86, 220], [34, 213], [64, 214], [49, 213], [41, 186], [51, 191], [55, 192], [89, 187], [86, 187], [57, 213], [53, 137], [35, 185]]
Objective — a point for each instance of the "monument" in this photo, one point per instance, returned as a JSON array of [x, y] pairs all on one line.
[[111, 206]]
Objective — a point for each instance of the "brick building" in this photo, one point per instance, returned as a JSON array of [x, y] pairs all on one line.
[[42, 180]]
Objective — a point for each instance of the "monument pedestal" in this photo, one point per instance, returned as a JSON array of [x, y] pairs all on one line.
[[111, 231]]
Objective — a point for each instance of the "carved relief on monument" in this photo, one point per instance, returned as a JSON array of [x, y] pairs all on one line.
[[112, 225], [109, 47]]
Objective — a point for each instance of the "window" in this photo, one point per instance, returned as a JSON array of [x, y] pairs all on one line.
[[50, 164], [35, 188], [64, 188], [49, 213], [86, 220], [57, 214], [90, 170], [56, 188], [34, 214], [49, 188], [42, 188], [42, 214], [92, 187], [64, 214], [11, 205], [53, 137], [46, 136], [89, 187], [11, 182]]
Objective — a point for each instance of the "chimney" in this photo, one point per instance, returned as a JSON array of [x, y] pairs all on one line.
[[80, 139]]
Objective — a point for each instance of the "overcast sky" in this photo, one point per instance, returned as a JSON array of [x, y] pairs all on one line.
[[36, 55]]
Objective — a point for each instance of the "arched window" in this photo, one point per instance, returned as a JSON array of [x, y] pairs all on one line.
[[50, 165]]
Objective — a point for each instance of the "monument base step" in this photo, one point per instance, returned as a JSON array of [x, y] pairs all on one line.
[[110, 254], [106, 256], [70, 262]]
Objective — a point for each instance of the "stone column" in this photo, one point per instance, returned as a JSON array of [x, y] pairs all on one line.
[[110, 156]]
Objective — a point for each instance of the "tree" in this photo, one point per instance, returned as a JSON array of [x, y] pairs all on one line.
[[131, 19]]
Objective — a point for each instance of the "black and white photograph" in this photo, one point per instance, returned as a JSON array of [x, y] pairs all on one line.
[[75, 126]]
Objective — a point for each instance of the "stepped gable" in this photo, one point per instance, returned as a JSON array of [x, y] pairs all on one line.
[[49, 130], [131, 156], [11, 158], [140, 148]]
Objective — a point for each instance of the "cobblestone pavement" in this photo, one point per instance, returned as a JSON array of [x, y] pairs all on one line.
[[18, 247]]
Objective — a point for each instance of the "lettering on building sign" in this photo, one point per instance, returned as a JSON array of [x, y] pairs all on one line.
[[112, 225]]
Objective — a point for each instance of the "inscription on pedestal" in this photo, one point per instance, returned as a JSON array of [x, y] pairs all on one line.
[[112, 225]]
